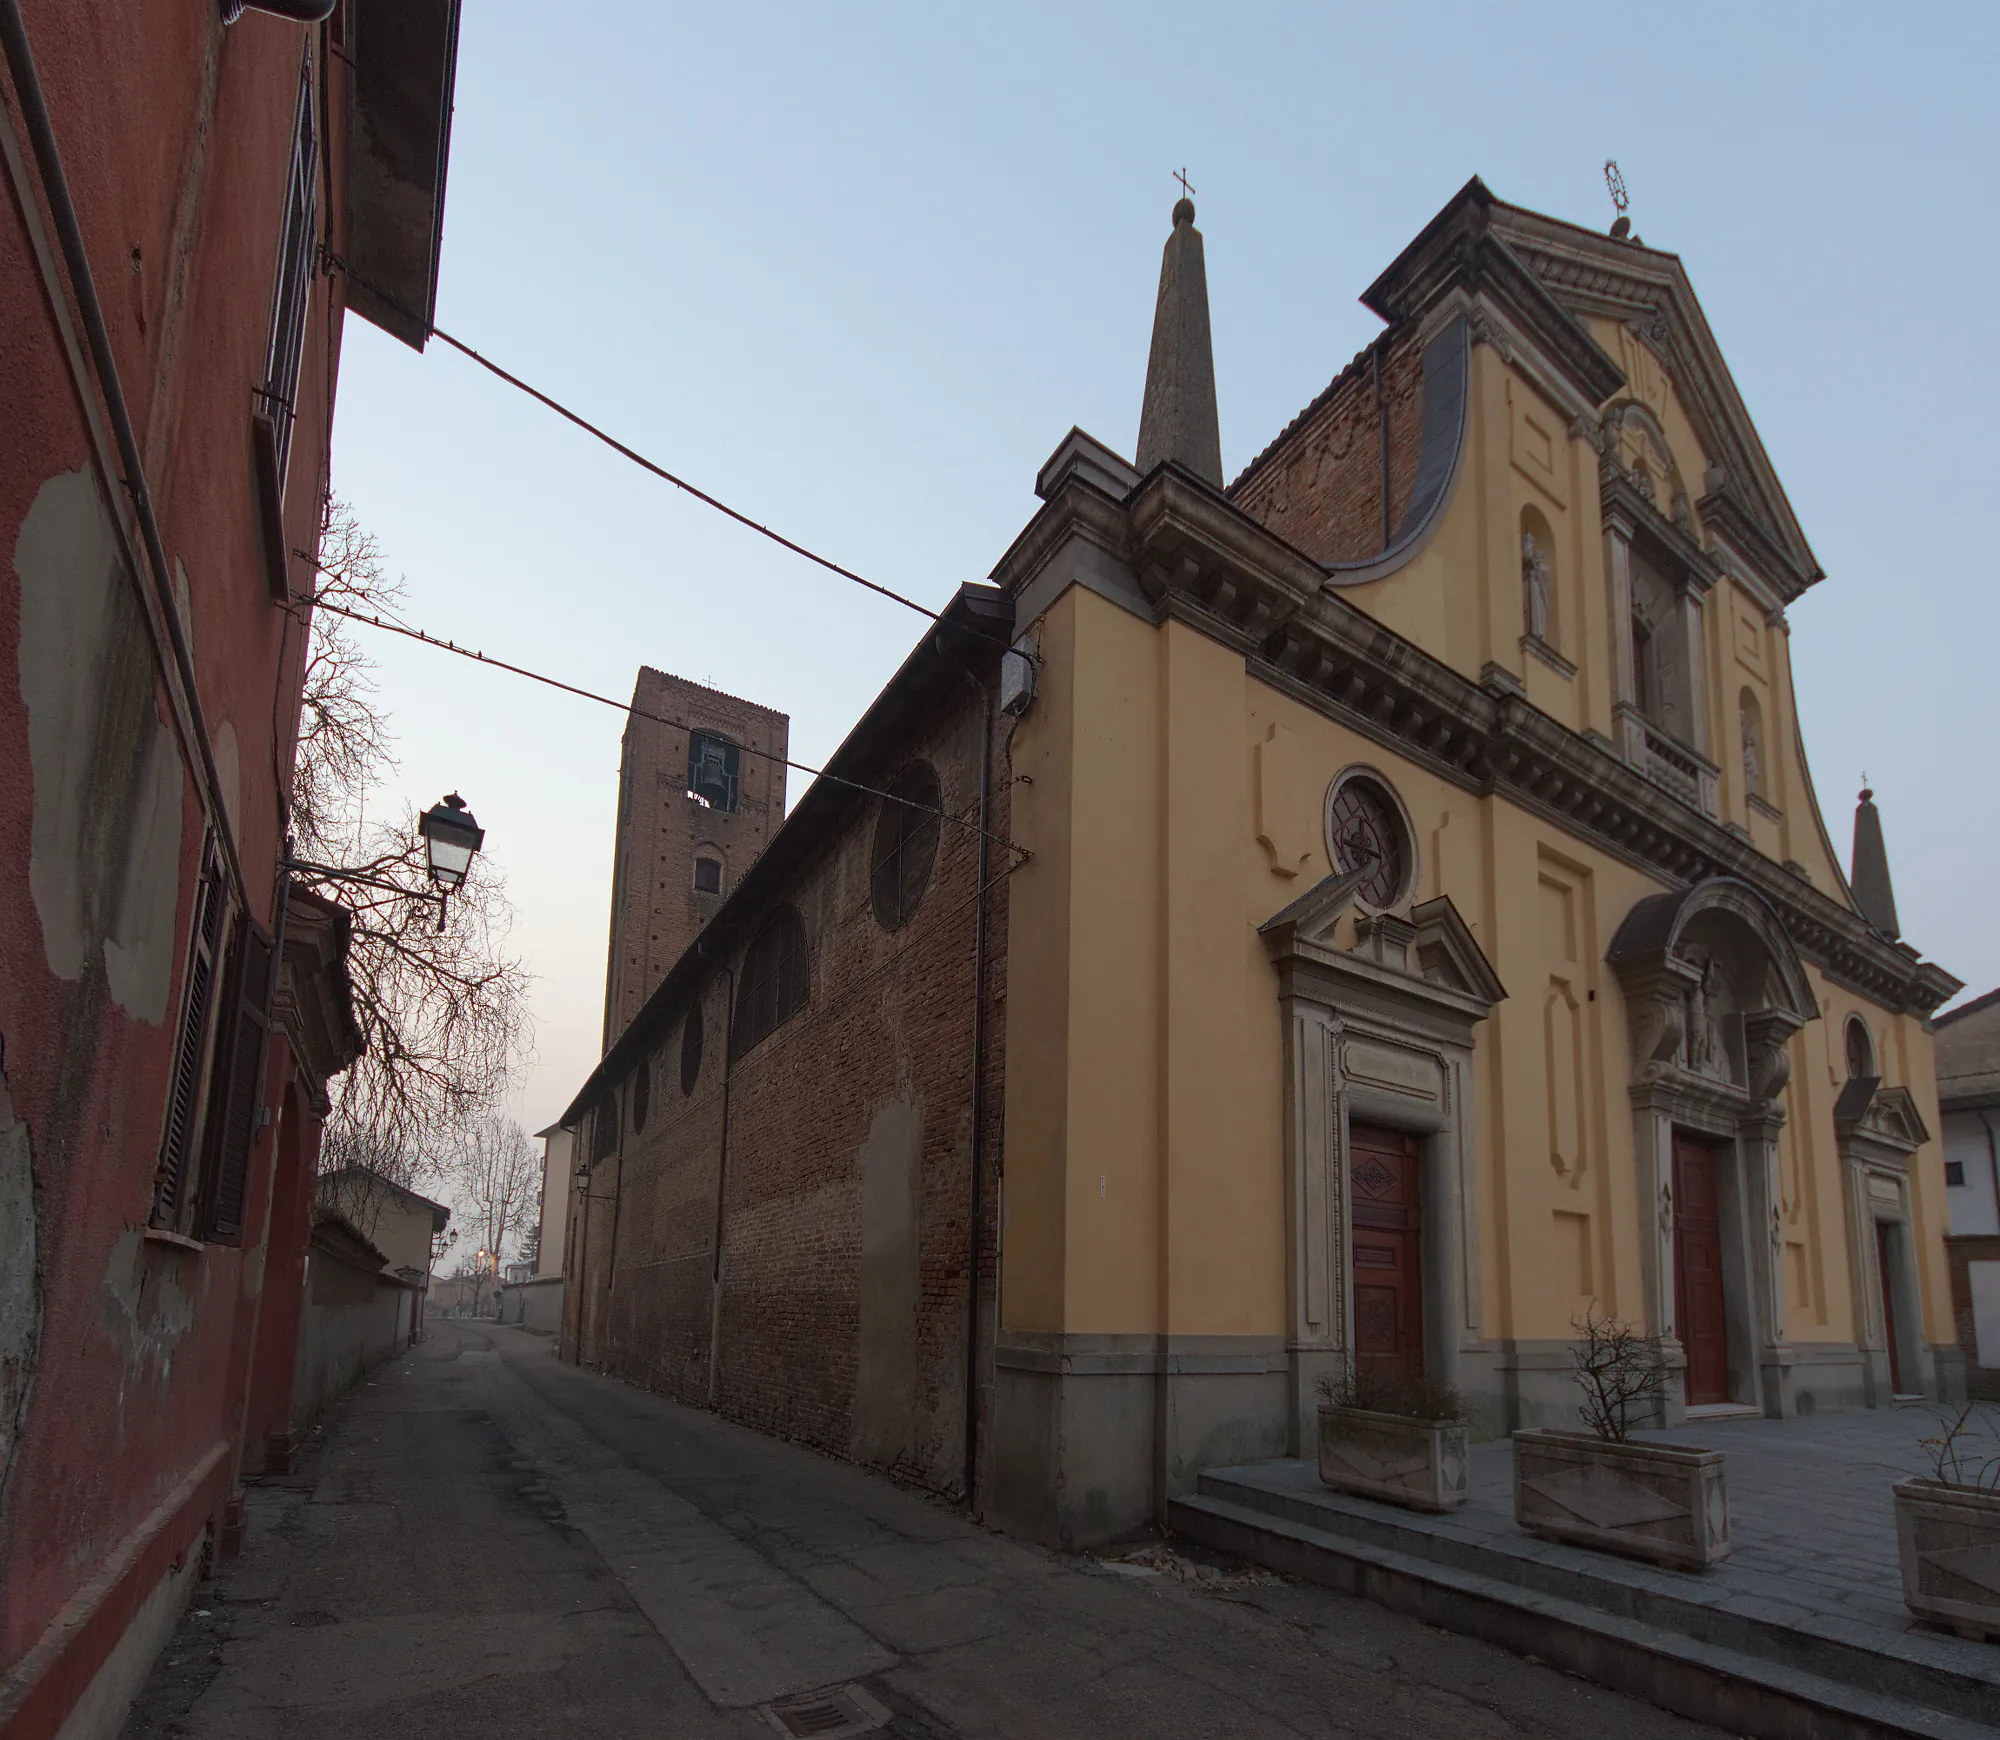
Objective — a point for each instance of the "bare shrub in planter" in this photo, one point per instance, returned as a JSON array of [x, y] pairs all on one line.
[[1598, 1488], [1394, 1437], [1948, 1527]]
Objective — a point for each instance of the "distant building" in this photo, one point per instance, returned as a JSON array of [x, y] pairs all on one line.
[[1967, 1041], [367, 1278], [697, 800], [1967, 1046]]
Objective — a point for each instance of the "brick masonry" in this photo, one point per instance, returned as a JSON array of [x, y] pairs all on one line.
[[656, 911], [840, 1318], [1319, 485]]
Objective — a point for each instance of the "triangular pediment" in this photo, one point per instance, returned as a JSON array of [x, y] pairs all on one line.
[[1887, 1115], [1314, 916], [1448, 955], [1647, 293]]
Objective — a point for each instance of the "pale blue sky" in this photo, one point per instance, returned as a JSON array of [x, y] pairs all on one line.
[[857, 270]]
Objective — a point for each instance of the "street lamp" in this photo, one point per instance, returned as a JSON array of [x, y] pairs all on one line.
[[451, 837]]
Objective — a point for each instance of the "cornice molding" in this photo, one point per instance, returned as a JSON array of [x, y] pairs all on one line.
[[1200, 560]]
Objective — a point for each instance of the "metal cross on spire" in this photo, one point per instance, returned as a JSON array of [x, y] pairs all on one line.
[[1180, 175], [1616, 183]]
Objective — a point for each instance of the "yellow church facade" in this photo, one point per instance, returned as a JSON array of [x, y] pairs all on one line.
[[1431, 935]]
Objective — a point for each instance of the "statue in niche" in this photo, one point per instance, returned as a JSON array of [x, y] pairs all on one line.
[[1705, 1055], [1753, 767], [1537, 585]]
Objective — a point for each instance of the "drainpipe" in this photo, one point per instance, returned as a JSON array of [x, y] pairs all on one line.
[[1993, 1161], [55, 188], [721, 1179], [978, 1106]]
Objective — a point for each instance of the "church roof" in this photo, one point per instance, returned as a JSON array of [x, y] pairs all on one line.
[[1552, 276]]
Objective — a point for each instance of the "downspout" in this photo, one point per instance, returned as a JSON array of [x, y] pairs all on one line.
[[972, 1239], [1993, 1161], [55, 188], [721, 1179]]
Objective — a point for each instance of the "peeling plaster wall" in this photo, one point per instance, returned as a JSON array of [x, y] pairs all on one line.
[[79, 680]]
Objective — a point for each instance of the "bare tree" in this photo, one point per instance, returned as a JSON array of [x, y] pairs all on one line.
[[1622, 1372], [443, 1013], [499, 1175]]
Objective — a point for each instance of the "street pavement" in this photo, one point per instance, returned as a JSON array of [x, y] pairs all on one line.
[[487, 1542]]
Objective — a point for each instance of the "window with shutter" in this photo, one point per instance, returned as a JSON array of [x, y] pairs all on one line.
[[298, 250], [237, 1093], [191, 1043]]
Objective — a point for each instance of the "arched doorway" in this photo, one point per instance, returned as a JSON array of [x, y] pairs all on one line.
[[1713, 992]]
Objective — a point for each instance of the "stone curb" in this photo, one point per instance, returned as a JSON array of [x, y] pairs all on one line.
[[1742, 1694]]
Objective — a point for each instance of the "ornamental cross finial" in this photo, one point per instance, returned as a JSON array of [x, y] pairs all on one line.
[[1616, 183], [1180, 175]]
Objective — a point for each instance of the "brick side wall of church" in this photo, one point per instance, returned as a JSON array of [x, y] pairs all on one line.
[[885, 1041], [1322, 490]]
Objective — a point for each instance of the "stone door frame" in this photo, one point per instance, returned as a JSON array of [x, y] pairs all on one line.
[[1722, 1086], [1380, 1033], [1878, 1130]]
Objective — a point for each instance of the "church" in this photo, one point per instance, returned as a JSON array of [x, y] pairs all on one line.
[[1372, 910]]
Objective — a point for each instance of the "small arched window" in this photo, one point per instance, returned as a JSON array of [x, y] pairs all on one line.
[[1860, 1049], [774, 981], [642, 1094], [707, 874], [691, 1049], [906, 840]]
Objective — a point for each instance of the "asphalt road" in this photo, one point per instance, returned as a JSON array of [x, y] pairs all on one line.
[[486, 1542]]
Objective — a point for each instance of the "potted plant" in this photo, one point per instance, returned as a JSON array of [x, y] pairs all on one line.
[[1598, 1488], [1392, 1436], [1948, 1530]]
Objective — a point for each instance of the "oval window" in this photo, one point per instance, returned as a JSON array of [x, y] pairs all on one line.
[[1366, 832], [691, 1049], [906, 840], [642, 1095]]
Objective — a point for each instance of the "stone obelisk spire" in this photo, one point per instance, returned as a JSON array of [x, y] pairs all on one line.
[[1869, 872], [1179, 421]]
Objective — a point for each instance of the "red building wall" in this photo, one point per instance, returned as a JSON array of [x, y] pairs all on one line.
[[125, 1355]]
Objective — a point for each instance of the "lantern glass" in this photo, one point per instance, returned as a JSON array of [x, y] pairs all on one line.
[[451, 837]]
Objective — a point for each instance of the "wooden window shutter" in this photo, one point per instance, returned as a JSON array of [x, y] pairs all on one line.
[[239, 1082], [191, 1043]]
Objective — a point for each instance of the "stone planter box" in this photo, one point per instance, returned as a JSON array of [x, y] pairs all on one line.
[[1646, 1501], [1948, 1538], [1418, 1463]]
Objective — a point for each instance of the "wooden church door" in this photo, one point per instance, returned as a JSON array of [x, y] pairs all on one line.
[[1698, 1307], [1382, 1178]]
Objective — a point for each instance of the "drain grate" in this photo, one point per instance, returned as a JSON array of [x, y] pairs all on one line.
[[828, 1715]]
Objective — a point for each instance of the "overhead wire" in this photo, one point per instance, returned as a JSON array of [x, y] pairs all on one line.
[[315, 602], [334, 261]]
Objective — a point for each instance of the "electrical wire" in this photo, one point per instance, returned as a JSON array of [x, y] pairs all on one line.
[[626, 707], [639, 459]]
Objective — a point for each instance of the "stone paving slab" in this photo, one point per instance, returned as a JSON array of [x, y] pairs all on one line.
[[1814, 1571]]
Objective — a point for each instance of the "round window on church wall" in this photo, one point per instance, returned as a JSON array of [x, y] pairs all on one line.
[[1367, 831]]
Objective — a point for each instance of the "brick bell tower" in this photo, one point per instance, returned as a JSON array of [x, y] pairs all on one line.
[[697, 801]]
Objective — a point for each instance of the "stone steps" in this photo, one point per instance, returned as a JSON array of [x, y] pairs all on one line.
[[1748, 1675]]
